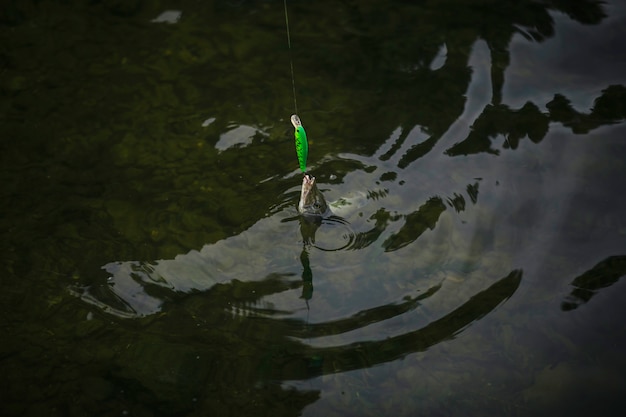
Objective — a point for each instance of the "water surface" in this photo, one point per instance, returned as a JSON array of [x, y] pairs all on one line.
[[154, 261]]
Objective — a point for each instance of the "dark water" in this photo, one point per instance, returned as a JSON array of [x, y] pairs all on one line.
[[153, 260]]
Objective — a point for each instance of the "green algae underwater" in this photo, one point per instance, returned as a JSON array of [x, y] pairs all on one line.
[[154, 260]]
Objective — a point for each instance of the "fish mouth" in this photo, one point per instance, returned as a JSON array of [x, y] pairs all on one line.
[[308, 182], [306, 194]]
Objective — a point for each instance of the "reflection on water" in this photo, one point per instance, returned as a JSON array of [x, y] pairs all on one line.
[[475, 158], [604, 274]]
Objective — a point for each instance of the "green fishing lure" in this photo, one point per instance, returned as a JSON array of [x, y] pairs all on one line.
[[302, 145]]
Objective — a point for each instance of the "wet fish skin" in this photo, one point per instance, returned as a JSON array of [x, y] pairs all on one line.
[[312, 201]]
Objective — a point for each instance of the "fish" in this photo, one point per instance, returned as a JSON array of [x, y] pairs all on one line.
[[302, 145], [312, 202]]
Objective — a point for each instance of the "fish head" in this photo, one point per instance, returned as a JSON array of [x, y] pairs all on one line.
[[312, 202]]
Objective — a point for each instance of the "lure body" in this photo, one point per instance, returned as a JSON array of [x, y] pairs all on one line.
[[302, 145]]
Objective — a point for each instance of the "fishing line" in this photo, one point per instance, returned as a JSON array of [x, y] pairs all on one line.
[[293, 80]]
